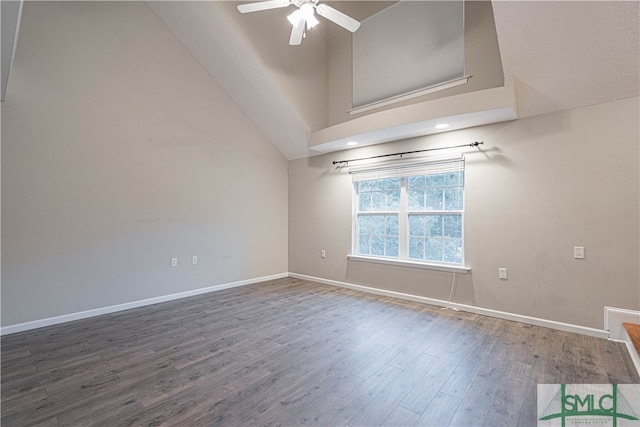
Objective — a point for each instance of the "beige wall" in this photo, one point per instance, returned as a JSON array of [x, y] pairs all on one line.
[[541, 186], [120, 152]]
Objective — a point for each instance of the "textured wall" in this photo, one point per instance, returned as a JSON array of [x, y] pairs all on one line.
[[541, 186], [120, 152]]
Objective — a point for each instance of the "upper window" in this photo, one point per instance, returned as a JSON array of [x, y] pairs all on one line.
[[413, 213]]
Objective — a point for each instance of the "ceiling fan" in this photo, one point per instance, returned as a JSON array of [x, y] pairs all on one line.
[[304, 16]]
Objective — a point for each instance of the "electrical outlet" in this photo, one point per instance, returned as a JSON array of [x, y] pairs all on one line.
[[194, 259], [502, 273], [323, 253], [578, 252], [174, 262]]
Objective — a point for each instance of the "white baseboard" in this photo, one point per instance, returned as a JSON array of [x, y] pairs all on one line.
[[432, 301], [567, 327], [613, 319], [20, 327]]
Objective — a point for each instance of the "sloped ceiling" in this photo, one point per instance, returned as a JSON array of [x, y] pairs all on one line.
[[10, 13], [568, 54], [211, 38], [559, 54]]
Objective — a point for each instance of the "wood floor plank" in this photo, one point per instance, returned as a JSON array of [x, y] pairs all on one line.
[[400, 416], [292, 352], [391, 396], [319, 407], [419, 398], [510, 396], [369, 390], [476, 403], [471, 358], [440, 411]]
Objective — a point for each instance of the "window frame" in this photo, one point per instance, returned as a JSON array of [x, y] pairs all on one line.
[[404, 212]]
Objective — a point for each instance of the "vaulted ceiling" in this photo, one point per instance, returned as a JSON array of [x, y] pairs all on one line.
[[526, 57], [547, 56]]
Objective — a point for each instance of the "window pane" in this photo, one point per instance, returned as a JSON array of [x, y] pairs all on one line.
[[364, 243], [433, 249], [435, 180], [364, 202], [416, 182], [453, 250], [416, 248], [391, 248], [364, 186], [453, 226], [392, 225], [416, 225], [378, 201], [434, 199], [364, 224], [377, 245], [453, 198], [393, 184], [452, 179], [434, 225], [377, 224], [416, 199], [393, 200], [377, 185]]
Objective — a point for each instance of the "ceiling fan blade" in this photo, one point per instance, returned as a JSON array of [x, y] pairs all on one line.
[[297, 32], [262, 5], [338, 17]]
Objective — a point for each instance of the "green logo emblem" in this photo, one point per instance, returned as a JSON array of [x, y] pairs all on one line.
[[590, 401]]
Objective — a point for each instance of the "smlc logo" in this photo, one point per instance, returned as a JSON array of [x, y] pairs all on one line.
[[588, 404]]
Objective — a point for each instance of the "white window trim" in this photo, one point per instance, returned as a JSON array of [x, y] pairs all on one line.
[[413, 264], [405, 262]]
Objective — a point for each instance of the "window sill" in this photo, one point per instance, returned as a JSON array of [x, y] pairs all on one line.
[[411, 264]]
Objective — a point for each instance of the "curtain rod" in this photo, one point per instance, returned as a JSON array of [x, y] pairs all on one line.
[[473, 144]]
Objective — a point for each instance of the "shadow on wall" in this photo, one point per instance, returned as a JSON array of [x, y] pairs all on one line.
[[491, 154], [420, 282]]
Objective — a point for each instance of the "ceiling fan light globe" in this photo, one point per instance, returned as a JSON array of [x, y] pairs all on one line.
[[307, 11], [295, 18], [311, 22]]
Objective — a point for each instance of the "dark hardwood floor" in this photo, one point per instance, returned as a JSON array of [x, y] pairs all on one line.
[[292, 352]]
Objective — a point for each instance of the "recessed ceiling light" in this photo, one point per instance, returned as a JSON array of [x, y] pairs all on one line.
[[442, 125], [352, 143]]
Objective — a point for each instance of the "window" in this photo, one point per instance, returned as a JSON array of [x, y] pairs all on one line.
[[412, 213]]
